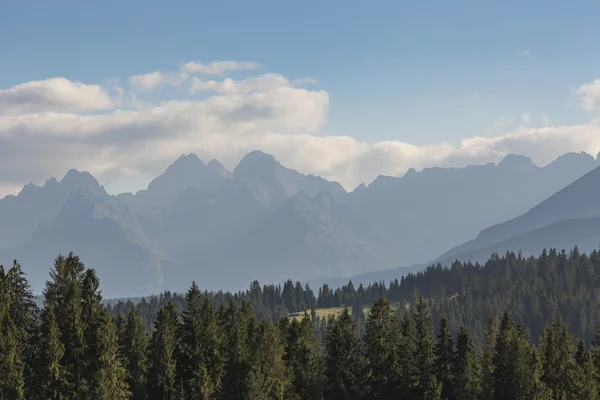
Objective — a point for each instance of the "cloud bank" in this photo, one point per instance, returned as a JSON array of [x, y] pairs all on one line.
[[47, 127]]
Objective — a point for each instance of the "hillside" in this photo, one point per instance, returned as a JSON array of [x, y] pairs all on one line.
[[562, 220]]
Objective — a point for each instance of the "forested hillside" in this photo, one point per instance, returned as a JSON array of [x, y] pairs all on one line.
[[506, 336]]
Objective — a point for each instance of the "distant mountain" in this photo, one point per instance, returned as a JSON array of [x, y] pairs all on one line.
[[264, 221], [106, 237], [425, 213], [563, 220], [273, 184], [21, 215]]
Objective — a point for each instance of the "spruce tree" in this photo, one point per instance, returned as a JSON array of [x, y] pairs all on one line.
[[344, 360], [135, 354], [444, 359], [63, 294], [302, 356], [557, 354], [52, 375], [269, 378], [424, 387], [199, 347], [587, 385], [487, 358], [236, 323], [163, 365], [382, 340], [103, 374], [467, 370]]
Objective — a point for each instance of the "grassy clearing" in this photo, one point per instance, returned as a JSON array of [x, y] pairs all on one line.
[[330, 312]]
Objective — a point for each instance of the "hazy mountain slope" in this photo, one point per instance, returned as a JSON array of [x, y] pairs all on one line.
[[273, 183], [425, 213], [580, 199], [186, 172], [106, 238], [566, 234], [308, 237], [21, 215]]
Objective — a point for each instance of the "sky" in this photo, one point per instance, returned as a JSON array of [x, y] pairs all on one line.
[[343, 89]]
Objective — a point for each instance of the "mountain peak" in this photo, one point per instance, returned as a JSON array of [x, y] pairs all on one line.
[[84, 181], [256, 163], [516, 161], [186, 161]]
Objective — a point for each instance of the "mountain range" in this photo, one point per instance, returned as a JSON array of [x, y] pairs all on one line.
[[198, 221]]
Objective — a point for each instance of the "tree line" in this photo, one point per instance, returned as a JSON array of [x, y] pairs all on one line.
[[534, 290], [72, 348]]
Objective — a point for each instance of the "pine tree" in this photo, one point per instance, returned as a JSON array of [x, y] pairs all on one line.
[[162, 373], [63, 294], [199, 347], [502, 359], [557, 354], [269, 377], [344, 362], [51, 372], [236, 323], [110, 381], [303, 358], [467, 370], [423, 357], [444, 359], [487, 359], [103, 374], [382, 339], [586, 382], [135, 354]]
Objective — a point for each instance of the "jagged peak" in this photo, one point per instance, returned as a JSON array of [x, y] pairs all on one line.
[[256, 162], [81, 180], [186, 161], [516, 160]]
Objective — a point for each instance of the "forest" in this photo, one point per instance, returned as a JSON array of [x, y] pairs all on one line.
[[514, 328]]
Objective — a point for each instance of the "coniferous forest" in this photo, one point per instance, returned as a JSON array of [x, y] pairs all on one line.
[[514, 328]]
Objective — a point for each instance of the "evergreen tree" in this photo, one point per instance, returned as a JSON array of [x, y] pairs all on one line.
[[63, 295], [587, 385], [302, 356], [344, 362], [467, 370], [444, 359], [423, 356], [487, 359], [199, 347], [51, 372], [103, 374], [268, 378], [135, 355], [109, 383], [162, 373], [559, 365], [382, 339], [236, 324]]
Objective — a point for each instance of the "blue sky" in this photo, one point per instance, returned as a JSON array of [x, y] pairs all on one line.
[[421, 72]]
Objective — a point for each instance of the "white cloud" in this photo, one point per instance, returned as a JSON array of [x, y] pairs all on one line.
[[56, 94], [304, 81], [265, 112], [590, 95], [156, 79], [217, 67], [525, 118], [261, 83]]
